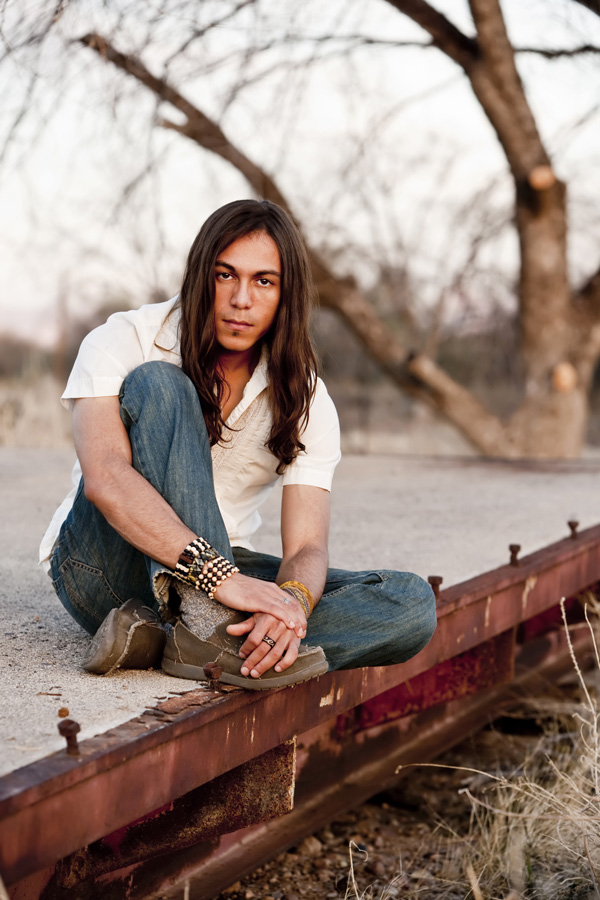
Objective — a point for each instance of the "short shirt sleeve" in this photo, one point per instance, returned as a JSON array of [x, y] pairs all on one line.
[[321, 437], [111, 351]]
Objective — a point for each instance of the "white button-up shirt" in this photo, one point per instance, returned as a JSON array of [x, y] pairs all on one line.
[[244, 469]]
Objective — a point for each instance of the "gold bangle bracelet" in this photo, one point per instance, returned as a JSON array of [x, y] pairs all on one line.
[[298, 586], [299, 596]]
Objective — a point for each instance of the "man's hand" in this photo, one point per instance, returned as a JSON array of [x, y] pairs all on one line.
[[259, 655], [254, 596]]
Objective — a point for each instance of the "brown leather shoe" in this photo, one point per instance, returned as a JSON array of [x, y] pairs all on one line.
[[186, 655], [130, 637]]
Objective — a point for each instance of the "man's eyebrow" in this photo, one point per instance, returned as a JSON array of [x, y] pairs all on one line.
[[258, 274]]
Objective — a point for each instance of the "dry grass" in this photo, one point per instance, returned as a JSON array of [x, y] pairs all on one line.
[[535, 831]]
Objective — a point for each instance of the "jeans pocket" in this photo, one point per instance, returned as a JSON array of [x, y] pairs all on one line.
[[85, 593]]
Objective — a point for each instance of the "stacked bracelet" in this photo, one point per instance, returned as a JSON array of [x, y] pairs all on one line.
[[203, 567], [302, 595]]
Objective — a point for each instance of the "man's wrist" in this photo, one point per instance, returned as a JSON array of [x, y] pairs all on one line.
[[301, 593], [202, 566]]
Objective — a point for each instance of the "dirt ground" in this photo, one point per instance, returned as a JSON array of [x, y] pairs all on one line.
[[403, 843], [415, 842]]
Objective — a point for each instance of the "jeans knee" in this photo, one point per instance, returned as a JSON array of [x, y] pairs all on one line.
[[418, 611], [163, 384], [424, 599]]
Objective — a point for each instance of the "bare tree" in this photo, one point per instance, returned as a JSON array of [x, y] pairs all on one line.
[[560, 324]]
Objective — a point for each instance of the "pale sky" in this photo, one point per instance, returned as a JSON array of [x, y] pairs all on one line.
[[378, 153]]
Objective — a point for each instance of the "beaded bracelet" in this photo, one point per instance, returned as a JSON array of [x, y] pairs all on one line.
[[203, 567], [301, 593]]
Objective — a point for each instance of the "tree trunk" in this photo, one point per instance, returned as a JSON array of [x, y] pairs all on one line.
[[558, 351]]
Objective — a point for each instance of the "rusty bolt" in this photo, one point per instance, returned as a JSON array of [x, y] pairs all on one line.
[[573, 526], [69, 729], [514, 554], [435, 581], [212, 673]]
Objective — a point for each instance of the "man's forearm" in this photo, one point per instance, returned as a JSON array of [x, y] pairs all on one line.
[[309, 567], [141, 516]]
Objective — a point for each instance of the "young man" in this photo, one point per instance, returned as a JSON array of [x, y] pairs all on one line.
[[185, 415]]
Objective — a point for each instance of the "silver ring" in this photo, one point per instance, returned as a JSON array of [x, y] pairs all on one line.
[[268, 640]]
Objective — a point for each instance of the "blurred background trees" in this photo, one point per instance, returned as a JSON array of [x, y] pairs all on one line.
[[430, 183]]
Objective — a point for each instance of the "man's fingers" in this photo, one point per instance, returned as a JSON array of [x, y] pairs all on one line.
[[240, 628], [260, 662], [291, 655], [279, 610], [256, 659]]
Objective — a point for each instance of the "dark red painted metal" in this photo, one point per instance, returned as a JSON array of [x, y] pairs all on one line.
[[148, 762], [488, 664]]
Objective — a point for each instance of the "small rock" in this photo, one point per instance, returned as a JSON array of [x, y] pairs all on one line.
[[310, 847], [377, 869], [249, 895]]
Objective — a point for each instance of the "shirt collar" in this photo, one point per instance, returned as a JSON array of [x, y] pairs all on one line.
[[168, 334]]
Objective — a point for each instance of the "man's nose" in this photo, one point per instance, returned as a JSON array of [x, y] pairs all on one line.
[[241, 297]]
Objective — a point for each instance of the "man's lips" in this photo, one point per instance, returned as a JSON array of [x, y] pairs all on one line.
[[237, 326]]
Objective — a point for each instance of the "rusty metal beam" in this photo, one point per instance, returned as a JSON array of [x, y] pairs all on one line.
[[364, 764], [44, 807]]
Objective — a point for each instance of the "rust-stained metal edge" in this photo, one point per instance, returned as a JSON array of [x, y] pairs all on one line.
[[462, 594], [107, 775]]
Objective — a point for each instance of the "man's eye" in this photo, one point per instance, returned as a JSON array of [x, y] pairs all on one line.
[[224, 275], [264, 281]]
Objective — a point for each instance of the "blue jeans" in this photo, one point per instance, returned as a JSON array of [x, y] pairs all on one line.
[[363, 619]]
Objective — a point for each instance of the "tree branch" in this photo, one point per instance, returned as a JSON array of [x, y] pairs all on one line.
[[362, 40], [462, 49], [500, 91], [559, 53]]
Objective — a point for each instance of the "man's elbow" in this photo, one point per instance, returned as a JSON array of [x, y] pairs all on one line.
[[99, 488]]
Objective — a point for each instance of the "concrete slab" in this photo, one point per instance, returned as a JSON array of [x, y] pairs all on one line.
[[449, 517]]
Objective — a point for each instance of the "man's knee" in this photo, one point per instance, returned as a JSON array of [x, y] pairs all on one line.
[[159, 382], [417, 611], [158, 375]]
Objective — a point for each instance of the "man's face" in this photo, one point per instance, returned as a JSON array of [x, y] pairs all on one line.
[[247, 290]]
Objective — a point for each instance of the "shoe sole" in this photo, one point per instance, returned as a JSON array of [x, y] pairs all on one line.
[[196, 673]]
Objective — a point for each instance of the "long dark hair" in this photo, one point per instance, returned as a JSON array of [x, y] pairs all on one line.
[[292, 361]]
